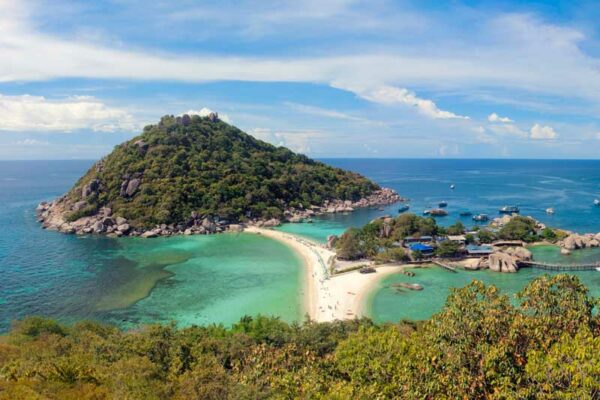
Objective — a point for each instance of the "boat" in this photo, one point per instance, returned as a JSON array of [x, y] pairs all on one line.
[[509, 210], [480, 217], [309, 221], [403, 208], [597, 202], [550, 210], [598, 269], [465, 213], [436, 212], [442, 204], [452, 186]]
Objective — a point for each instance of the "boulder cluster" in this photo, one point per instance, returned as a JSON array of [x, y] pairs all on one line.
[[53, 215], [575, 241], [505, 259], [381, 197]]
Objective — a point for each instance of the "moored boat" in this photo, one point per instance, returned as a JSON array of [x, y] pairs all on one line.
[[452, 186], [465, 213], [550, 210], [597, 202], [403, 208], [509, 210], [442, 204], [480, 217]]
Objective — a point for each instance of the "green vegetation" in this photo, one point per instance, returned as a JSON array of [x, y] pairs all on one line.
[[447, 249], [185, 165], [480, 346], [378, 236], [519, 228]]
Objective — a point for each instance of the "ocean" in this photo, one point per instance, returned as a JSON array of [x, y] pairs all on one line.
[[219, 279]]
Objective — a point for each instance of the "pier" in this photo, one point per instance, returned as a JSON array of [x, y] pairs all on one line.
[[443, 265], [560, 267]]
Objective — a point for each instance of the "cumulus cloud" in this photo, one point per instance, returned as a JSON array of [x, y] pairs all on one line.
[[508, 129], [394, 95], [493, 117], [539, 132], [204, 112], [298, 141], [36, 113]]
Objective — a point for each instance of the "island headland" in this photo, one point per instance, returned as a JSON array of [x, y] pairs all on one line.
[[200, 175]]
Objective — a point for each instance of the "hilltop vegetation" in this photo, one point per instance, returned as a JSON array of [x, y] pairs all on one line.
[[480, 346], [203, 165]]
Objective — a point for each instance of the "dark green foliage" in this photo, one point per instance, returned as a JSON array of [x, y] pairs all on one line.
[[519, 228], [479, 346], [548, 234], [486, 236], [456, 229], [447, 249], [211, 168], [371, 240]]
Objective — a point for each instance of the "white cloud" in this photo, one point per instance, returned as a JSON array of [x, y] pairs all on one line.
[[520, 52], [31, 142], [542, 132], [36, 113], [335, 114], [493, 117], [204, 112], [394, 95], [298, 141], [508, 129]]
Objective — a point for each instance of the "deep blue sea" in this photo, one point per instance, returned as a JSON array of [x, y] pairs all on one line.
[[131, 281]]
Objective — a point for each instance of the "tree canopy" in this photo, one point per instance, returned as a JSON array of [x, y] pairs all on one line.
[[479, 346]]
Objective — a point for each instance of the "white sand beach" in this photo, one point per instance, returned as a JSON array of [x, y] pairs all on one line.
[[329, 298]]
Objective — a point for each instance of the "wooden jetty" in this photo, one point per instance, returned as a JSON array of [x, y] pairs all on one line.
[[443, 265], [560, 267]]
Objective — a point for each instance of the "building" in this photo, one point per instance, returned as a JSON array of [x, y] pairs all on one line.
[[457, 238], [423, 248], [420, 239], [483, 250]]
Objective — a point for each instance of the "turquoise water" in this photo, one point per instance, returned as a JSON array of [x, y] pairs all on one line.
[[387, 304], [197, 280]]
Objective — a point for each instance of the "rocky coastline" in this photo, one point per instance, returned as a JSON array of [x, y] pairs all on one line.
[[53, 216]]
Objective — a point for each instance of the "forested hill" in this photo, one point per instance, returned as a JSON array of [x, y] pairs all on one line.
[[202, 165]]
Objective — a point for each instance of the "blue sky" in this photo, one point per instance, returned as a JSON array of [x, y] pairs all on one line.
[[336, 78]]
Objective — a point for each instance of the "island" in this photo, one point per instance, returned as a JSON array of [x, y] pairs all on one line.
[[200, 175]]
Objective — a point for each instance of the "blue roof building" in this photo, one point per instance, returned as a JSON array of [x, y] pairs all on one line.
[[423, 248]]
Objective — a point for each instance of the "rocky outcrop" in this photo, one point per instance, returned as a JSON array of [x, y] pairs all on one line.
[[502, 262], [508, 259], [54, 215], [331, 241], [89, 189], [575, 241]]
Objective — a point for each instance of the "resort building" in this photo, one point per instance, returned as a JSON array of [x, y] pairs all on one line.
[[479, 251]]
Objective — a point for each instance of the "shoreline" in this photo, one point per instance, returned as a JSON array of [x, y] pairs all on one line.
[[329, 298]]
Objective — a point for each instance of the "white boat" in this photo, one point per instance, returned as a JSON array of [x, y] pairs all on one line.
[[598, 269], [452, 186], [550, 210], [597, 202]]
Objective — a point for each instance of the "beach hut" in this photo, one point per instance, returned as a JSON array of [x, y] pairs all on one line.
[[461, 239]]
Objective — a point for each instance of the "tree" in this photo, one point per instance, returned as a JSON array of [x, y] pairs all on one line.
[[348, 246], [486, 236], [456, 229], [447, 249]]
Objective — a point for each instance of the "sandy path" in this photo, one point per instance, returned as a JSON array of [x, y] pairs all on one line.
[[327, 298]]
